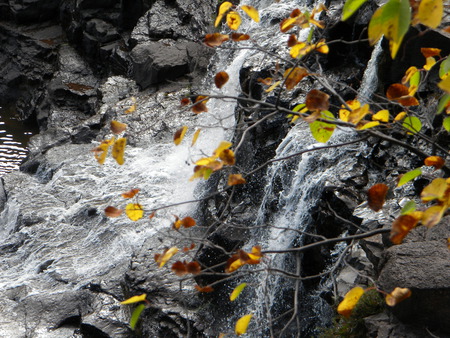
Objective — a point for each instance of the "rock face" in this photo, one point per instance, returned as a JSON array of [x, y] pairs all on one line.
[[74, 66]]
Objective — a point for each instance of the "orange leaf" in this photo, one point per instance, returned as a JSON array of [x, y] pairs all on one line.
[[434, 161], [377, 195], [239, 37], [235, 179], [113, 211], [398, 295], [188, 222], [131, 193], [267, 81], [428, 52], [317, 100], [294, 76], [220, 79], [200, 104], [215, 39], [132, 107], [401, 227], [117, 127], [179, 135], [179, 268], [204, 289], [194, 268]]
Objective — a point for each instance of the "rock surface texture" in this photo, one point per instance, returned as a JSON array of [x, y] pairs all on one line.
[[73, 66]]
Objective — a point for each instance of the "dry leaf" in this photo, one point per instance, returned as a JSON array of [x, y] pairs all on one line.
[[377, 195], [113, 212], [131, 193], [200, 104], [166, 255], [215, 39], [221, 78], [117, 127], [434, 161], [317, 100], [235, 179], [179, 135], [204, 289], [239, 37], [293, 76], [398, 295], [401, 227]]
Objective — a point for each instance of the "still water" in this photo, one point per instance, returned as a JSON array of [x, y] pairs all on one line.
[[14, 136]]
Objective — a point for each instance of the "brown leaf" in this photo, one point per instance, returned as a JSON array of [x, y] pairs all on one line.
[[185, 101], [117, 127], [194, 268], [434, 161], [179, 135], [377, 195], [398, 295], [221, 78], [113, 211], [131, 193], [227, 156], [200, 104], [179, 268], [294, 76], [292, 41], [401, 227], [400, 93], [239, 37], [317, 100], [235, 179], [215, 39]]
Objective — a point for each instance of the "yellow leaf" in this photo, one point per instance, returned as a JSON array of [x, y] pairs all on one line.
[[195, 137], [179, 135], [224, 7], [409, 74], [430, 63], [117, 127], [358, 114], [382, 116], [272, 87], [435, 190], [400, 116], [298, 49], [350, 300], [235, 265], [222, 146], [101, 151], [118, 150], [445, 84], [366, 125], [251, 12], [167, 254], [237, 291], [344, 112], [433, 215], [233, 20], [134, 299], [132, 107], [397, 296], [430, 13], [134, 211], [242, 324]]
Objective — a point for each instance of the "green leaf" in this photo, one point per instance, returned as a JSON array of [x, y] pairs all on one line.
[[392, 20], [413, 124], [322, 131], [445, 67], [446, 124], [135, 316], [443, 103], [415, 79], [237, 291], [350, 7], [298, 107], [409, 176], [408, 208]]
